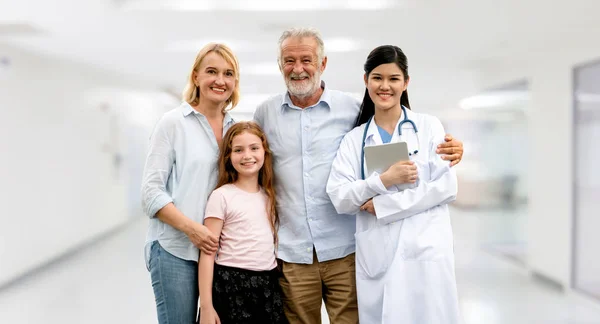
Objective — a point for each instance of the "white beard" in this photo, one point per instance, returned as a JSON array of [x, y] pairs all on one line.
[[305, 88]]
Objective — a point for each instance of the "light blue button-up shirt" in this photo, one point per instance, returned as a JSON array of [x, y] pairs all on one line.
[[304, 144], [181, 168]]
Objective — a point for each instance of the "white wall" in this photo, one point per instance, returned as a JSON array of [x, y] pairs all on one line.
[[550, 182], [492, 141], [587, 181], [60, 183]]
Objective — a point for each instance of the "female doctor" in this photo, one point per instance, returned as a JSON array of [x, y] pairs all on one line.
[[404, 244]]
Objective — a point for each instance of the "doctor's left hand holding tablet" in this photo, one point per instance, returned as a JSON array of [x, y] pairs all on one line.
[[399, 173]]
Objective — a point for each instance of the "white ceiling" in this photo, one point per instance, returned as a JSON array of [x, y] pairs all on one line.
[[447, 41]]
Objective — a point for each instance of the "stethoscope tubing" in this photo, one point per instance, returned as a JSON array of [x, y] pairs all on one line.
[[362, 151]]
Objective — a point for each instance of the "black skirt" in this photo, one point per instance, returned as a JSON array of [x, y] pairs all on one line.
[[243, 296]]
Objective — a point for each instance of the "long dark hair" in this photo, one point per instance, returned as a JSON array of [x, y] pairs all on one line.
[[228, 174], [382, 55]]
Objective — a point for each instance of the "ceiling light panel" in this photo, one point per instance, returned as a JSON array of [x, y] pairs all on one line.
[[259, 5]]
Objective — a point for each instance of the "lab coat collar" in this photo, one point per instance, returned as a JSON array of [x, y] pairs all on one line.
[[373, 136]]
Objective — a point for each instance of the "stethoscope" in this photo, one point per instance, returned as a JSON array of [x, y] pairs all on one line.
[[404, 120]]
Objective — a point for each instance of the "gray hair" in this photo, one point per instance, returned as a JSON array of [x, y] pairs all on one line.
[[303, 32]]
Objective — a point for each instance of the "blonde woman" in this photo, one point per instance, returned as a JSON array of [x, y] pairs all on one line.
[[179, 175]]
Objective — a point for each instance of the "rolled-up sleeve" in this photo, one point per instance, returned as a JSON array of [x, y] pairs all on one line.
[[160, 160]]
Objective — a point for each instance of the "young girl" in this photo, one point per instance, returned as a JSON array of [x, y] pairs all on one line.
[[239, 284]]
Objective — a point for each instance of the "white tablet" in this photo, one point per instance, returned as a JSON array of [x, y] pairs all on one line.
[[378, 158]]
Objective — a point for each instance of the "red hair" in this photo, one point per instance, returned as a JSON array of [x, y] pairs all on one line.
[[228, 174]]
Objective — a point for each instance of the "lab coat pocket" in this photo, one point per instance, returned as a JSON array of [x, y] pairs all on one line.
[[375, 249], [430, 239]]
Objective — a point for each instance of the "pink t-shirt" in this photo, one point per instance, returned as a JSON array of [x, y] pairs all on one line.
[[246, 240]]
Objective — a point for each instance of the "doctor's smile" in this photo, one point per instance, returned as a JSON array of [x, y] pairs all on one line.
[[385, 96]]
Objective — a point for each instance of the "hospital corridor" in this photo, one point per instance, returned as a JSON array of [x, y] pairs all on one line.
[[87, 87], [104, 283]]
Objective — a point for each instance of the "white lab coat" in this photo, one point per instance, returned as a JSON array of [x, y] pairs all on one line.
[[404, 255]]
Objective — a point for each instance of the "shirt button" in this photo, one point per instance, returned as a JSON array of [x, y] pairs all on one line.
[[305, 128], [310, 219], [306, 174], [308, 249]]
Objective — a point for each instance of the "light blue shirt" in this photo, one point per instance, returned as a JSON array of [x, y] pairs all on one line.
[[385, 136], [181, 168], [304, 144]]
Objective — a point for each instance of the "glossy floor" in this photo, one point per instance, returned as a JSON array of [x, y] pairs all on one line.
[[108, 283]]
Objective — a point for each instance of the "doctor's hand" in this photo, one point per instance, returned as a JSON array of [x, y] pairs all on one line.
[[369, 207], [399, 173], [203, 238], [452, 150]]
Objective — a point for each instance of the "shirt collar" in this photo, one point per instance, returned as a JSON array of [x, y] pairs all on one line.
[[325, 97], [227, 119], [186, 110]]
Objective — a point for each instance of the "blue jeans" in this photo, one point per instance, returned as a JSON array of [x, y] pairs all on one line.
[[175, 284]]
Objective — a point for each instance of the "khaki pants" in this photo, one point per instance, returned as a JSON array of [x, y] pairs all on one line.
[[305, 285]]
